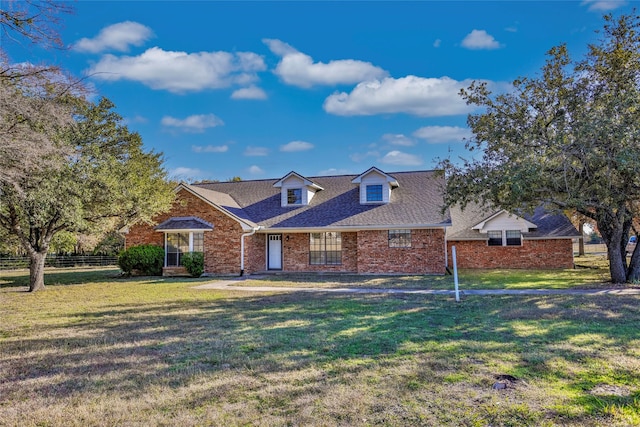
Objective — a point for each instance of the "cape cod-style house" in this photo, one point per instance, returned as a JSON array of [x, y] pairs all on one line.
[[372, 223]]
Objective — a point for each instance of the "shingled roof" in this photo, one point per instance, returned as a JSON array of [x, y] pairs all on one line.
[[416, 202], [549, 224]]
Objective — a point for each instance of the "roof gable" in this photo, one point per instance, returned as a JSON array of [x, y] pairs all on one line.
[[503, 220], [297, 179], [374, 170]]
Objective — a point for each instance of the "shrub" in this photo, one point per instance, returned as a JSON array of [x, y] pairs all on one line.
[[194, 263], [144, 259]]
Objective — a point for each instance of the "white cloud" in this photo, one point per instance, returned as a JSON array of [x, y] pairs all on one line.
[[398, 139], [210, 148], [255, 170], [117, 37], [359, 157], [334, 171], [426, 97], [256, 151], [194, 124], [480, 39], [298, 69], [181, 72], [603, 5], [398, 158], [296, 146], [437, 43], [251, 92], [441, 134]]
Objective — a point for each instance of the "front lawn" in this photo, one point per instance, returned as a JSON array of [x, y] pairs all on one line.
[[95, 349]]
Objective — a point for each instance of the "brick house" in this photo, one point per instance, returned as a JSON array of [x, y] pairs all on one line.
[[374, 222]]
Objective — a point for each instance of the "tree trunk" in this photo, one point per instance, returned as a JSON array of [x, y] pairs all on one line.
[[581, 239], [36, 270], [633, 272], [617, 266]]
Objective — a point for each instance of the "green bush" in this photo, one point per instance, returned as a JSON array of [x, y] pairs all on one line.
[[194, 263], [146, 260]]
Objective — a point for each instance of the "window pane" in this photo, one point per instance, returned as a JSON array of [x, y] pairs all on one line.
[[495, 238], [514, 238], [294, 196], [399, 238], [374, 193], [198, 242], [325, 248], [172, 259]]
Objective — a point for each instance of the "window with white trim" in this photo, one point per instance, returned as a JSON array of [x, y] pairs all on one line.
[[294, 196], [504, 238], [325, 248], [374, 193], [495, 238], [400, 238], [178, 244], [514, 238]]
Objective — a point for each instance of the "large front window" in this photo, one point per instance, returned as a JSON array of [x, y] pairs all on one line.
[[181, 243], [325, 248]]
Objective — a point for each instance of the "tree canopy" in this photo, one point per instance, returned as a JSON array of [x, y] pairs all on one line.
[[97, 171], [568, 139]]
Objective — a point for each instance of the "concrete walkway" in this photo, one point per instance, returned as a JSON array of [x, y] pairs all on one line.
[[231, 285]]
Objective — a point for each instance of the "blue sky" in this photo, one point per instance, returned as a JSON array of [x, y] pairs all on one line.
[[258, 89]]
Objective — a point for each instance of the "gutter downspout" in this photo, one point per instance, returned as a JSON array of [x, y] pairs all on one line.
[[251, 233]]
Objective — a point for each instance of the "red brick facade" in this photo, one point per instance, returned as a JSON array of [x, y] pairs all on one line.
[[363, 252], [221, 246], [543, 253]]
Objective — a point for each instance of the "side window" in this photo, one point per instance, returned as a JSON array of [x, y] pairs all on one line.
[[514, 238]]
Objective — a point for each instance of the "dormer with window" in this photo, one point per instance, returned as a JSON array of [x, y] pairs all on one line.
[[375, 186], [296, 190], [504, 229]]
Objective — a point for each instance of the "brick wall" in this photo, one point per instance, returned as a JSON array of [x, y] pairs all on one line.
[[546, 253], [221, 246], [425, 256]]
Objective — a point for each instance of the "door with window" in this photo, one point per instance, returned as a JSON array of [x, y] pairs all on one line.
[[274, 252]]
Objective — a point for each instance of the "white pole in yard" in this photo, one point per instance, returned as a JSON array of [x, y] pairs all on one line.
[[455, 272]]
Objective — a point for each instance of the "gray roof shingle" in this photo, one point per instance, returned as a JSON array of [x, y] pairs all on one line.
[[184, 223], [416, 202]]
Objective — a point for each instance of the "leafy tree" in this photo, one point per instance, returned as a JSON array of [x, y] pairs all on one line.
[[101, 172], [63, 242], [569, 138]]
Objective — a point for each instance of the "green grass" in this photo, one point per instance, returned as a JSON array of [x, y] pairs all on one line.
[[592, 272], [96, 349]]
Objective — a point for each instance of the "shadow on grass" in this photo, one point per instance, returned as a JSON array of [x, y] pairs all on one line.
[[80, 276], [129, 348]]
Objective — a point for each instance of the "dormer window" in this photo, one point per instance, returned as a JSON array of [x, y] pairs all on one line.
[[294, 196], [374, 193], [296, 190], [375, 186]]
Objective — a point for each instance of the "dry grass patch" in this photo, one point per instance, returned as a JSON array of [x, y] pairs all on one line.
[[157, 352]]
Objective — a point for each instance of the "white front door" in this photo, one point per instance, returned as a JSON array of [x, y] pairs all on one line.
[[274, 252]]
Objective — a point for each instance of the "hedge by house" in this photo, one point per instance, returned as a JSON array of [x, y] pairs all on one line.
[[146, 260]]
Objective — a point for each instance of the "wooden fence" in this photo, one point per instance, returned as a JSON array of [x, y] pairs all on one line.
[[12, 263]]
